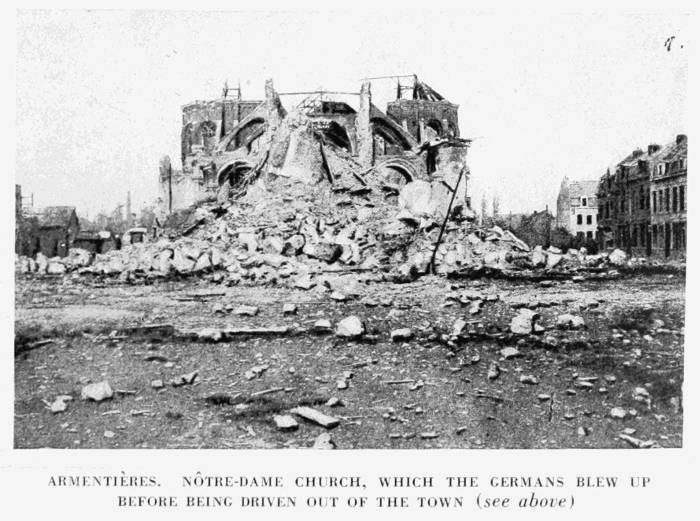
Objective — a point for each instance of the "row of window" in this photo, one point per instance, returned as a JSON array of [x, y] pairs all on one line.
[[668, 199], [590, 219], [664, 200], [671, 236], [673, 166]]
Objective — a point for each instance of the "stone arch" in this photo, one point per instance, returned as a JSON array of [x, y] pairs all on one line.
[[397, 171], [433, 129], [337, 135], [244, 134], [390, 135], [233, 172]]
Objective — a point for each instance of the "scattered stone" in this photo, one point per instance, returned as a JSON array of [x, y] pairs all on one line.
[[157, 384], [459, 327], [494, 371], [529, 379], [324, 442], [334, 402], [60, 404], [350, 327], [316, 416], [210, 335], [304, 282], [256, 371], [569, 321], [538, 258], [637, 443], [544, 397], [322, 325], [338, 296], [401, 335], [675, 403], [56, 268], [97, 392], [617, 257], [640, 394], [618, 413], [369, 302], [510, 352], [475, 307], [289, 309], [522, 323], [429, 435], [418, 385], [285, 422], [185, 379], [109, 434], [249, 311]]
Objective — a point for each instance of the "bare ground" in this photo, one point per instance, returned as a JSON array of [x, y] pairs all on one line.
[[457, 405]]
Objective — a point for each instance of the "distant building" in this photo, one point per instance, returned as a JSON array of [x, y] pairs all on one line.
[[577, 208], [57, 228], [535, 229], [642, 203]]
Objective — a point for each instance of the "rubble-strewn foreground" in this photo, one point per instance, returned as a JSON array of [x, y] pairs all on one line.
[[488, 363]]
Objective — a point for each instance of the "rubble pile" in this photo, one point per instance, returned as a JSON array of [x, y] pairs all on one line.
[[284, 229], [284, 225]]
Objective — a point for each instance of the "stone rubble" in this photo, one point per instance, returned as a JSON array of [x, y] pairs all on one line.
[[287, 232]]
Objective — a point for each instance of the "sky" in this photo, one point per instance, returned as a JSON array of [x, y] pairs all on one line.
[[99, 93]]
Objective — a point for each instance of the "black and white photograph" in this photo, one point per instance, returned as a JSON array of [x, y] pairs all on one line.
[[339, 230]]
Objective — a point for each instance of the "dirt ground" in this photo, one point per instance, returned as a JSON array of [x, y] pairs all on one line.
[[633, 338]]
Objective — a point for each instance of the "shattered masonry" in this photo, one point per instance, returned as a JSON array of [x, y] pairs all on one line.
[[230, 143]]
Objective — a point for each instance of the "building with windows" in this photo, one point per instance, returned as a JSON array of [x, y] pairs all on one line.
[[668, 187], [642, 203], [577, 208]]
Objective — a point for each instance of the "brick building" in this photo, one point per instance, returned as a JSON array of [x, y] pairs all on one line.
[[577, 208], [668, 187], [642, 203]]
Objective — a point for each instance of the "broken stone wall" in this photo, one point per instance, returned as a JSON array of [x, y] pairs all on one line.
[[425, 119]]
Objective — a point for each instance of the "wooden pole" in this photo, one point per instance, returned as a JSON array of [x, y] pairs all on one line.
[[444, 223]]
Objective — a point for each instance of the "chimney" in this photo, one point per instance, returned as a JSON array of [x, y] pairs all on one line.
[[637, 153], [653, 148], [681, 138]]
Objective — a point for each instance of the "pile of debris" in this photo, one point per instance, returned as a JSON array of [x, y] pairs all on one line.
[[283, 229]]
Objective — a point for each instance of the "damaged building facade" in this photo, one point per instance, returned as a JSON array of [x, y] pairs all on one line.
[[642, 208], [329, 137]]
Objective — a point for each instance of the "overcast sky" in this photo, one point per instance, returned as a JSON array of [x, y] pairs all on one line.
[[99, 93]]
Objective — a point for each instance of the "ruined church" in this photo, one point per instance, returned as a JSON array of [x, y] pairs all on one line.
[[231, 142]]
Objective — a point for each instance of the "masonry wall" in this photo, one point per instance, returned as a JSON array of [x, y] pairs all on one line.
[[669, 215], [414, 116]]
